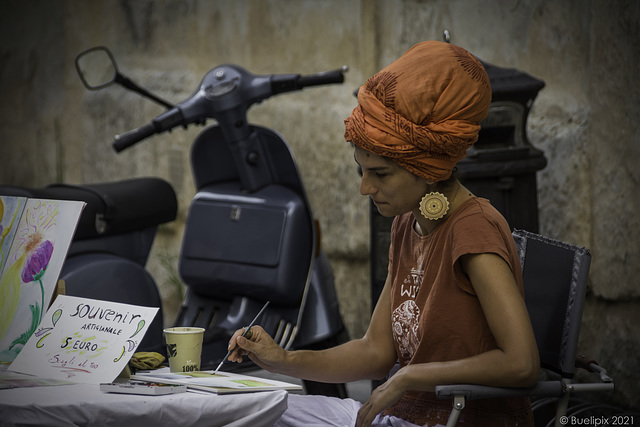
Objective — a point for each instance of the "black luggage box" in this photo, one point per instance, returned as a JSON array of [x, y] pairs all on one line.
[[247, 244]]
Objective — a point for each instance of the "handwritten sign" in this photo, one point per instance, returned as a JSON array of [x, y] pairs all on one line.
[[84, 340]]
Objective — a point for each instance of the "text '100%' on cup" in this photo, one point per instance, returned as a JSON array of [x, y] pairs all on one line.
[[184, 348]]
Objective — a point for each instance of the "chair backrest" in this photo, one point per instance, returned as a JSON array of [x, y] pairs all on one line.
[[555, 278]]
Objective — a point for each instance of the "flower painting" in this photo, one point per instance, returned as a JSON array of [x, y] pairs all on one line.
[[40, 238]]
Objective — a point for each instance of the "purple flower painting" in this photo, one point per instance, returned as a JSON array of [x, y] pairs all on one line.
[[35, 267], [37, 263]]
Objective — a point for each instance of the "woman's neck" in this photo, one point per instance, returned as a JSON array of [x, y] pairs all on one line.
[[456, 195]]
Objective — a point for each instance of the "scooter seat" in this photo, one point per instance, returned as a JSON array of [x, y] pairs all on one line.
[[114, 207]]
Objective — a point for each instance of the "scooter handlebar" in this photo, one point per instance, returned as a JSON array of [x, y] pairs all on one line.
[[324, 78], [128, 139], [195, 108], [281, 83], [164, 122]]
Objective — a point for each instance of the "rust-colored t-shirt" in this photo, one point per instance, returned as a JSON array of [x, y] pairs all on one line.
[[436, 315]]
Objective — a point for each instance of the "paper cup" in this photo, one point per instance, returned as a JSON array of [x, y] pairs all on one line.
[[184, 348]]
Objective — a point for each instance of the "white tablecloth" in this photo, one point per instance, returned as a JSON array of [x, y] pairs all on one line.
[[84, 404]]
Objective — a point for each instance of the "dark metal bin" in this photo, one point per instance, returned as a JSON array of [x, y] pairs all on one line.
[[501, 166]]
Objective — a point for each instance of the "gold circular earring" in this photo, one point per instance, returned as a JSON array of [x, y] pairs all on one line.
[[434, 206]]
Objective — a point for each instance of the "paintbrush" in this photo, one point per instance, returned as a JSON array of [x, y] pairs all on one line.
[[246, 330]]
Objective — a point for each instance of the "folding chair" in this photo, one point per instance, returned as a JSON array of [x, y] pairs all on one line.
[[555, 283]]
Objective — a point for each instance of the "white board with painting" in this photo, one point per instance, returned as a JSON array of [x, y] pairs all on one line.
[[35, 237]]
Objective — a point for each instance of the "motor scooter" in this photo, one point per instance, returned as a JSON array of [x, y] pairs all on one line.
[[250, 235]]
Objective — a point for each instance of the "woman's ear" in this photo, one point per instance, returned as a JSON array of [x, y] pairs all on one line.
[[430, 185]]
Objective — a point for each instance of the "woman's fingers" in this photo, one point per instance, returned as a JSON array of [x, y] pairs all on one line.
[[236, 355]]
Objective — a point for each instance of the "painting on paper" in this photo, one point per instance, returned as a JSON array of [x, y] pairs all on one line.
[[32, 261]]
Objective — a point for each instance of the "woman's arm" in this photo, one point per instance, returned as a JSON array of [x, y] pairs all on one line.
[[514, 363], [370, 357]]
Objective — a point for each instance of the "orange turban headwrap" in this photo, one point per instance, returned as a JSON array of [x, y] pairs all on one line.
[[424, 110]]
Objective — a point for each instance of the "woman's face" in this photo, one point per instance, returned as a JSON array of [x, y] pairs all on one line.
[[393, 189]]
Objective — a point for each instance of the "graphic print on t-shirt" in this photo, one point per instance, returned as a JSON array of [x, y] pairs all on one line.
[[405, 317], [405, 327]]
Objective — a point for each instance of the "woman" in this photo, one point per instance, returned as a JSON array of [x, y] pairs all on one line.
[[452, 308]]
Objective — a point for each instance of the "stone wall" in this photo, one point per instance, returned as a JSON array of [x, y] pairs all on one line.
[[586, 118]]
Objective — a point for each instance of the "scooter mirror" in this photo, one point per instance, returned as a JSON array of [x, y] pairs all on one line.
[[96, 67]]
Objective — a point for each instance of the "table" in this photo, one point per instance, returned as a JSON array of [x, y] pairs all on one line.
[[85, 404]]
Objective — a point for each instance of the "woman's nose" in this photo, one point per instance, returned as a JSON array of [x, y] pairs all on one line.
[[366, 188]]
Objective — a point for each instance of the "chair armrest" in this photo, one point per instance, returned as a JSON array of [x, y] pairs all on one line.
[[591, 365], [472, 391]]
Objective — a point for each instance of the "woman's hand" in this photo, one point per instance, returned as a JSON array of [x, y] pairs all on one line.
[[259, 347], [381, 398]]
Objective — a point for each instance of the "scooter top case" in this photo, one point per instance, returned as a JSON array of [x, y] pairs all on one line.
[[120, 206], [257, 244], [115, 213], [112, 207]]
